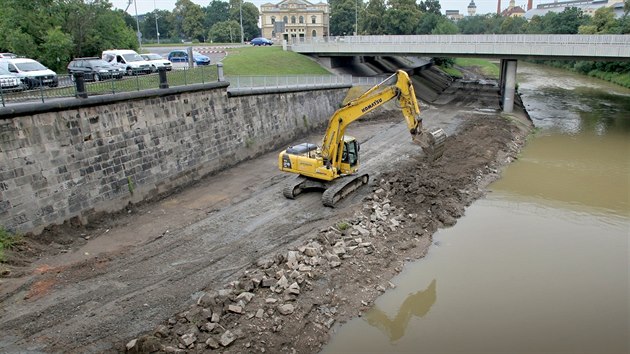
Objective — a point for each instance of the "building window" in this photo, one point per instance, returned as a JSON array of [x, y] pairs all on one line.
[[313, 19], [286, 19], [292, 19], [301, 19], [314, 34], [273, 19]]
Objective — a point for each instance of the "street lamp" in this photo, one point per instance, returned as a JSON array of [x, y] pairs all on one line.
[[157, 30], [240, 10], [135, 4]]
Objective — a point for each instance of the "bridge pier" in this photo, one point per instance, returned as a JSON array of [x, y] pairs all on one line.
[[507, 84]]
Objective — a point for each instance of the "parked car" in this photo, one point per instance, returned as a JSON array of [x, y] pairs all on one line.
[[260, 41], [128, 60], [157, 61], [9, 81], [8, 55], [94, 69], [32, 73], [181, 56]]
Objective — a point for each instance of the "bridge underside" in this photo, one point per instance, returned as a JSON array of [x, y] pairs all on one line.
[[363, 65]]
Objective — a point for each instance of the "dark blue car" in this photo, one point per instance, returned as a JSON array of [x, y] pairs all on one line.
[[260, 41], [181, 56]]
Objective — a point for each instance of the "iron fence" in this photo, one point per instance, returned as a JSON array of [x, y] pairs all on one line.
[[68, 85]]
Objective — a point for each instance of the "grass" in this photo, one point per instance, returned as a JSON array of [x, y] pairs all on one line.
[[616, 78], [452, 72], [487, 68], [269, 61], [8, 240]]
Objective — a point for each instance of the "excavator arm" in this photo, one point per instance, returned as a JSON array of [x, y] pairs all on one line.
[[396, 86]]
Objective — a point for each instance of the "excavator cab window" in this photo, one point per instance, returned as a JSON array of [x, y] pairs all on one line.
[[349, 154]]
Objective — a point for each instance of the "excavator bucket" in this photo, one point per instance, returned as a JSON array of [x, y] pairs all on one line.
[[432, 143]]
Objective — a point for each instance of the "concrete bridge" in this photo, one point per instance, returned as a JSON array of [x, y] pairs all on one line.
[[507, 48]]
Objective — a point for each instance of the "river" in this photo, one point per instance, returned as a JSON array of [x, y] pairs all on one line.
[[540, 265]]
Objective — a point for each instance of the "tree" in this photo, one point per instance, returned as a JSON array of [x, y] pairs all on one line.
[[148, 27], [226, 32], [513, 25], [402, 17], [445, 26], [188, 20], [217, 11], [373, 18], [472, 25], [56, 50], [250, 17], [604, 20], [343, 17], [430, 6], [427, 23]]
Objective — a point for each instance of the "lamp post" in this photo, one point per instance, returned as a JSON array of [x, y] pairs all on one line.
[[240, 10], [356, 17], [135, 4], [157, 30]]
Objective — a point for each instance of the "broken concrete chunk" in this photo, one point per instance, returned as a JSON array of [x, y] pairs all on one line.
[[339, 248], [310, 251], [161, 331], [212, 343], [267, 282], [131, 344], [245, 296], [283, 283], [227, 338], [235, 309], [294, 289], [286, 309], [259, 313], [188, 339]]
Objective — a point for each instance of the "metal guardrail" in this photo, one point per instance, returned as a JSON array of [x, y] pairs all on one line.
[[473, 38], [67, 87]]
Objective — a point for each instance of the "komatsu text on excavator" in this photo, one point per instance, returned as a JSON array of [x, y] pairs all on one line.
[[334, 166]]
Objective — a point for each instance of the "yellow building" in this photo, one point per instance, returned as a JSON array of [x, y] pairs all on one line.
[[294, 19]]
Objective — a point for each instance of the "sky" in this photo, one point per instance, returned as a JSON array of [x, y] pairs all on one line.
[[483, 6]]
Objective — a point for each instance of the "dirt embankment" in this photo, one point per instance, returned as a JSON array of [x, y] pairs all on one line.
[[277, 278]]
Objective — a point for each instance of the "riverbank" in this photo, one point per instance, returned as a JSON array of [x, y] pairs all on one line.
[[293, 301]]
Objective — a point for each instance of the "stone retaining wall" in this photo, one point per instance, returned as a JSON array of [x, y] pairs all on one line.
[[82, 157]]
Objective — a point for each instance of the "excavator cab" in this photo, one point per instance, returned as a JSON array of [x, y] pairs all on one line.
[[350, 155]]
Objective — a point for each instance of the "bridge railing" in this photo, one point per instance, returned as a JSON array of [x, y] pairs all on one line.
[[472, 38], [294, 81]]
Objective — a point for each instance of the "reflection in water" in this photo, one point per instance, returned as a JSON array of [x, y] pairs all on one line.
[[417, 304]]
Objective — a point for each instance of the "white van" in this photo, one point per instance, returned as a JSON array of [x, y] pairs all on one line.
[[127, 59], [32, 73]]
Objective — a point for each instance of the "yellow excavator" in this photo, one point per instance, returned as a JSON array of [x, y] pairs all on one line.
[[334, 166]]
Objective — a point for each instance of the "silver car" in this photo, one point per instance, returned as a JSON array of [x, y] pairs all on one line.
[[10, 82]]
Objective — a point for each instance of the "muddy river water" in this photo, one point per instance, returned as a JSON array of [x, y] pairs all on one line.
[[541, 263]]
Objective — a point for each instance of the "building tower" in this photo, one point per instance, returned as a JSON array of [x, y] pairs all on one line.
[[472, 8], [530, 4], [498, 7]]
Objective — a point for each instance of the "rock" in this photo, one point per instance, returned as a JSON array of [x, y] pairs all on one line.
[[304, 268], [334, 264], [170, 349], [310, 251], [270, 300], [292, 260], [339, 248], [283, 283], [209, 327], [207, 299], [131, 344], [267, 282], [235, 309], [216, 317], [161, 331], [212, 343], [259, 313], [148, 344], [286, 309], [227, 338], [294, 289], [188, 339], [328, 323], [245, 296]]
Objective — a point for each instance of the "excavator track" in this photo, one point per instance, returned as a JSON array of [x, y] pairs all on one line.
[[293, 187], [341, 188]]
